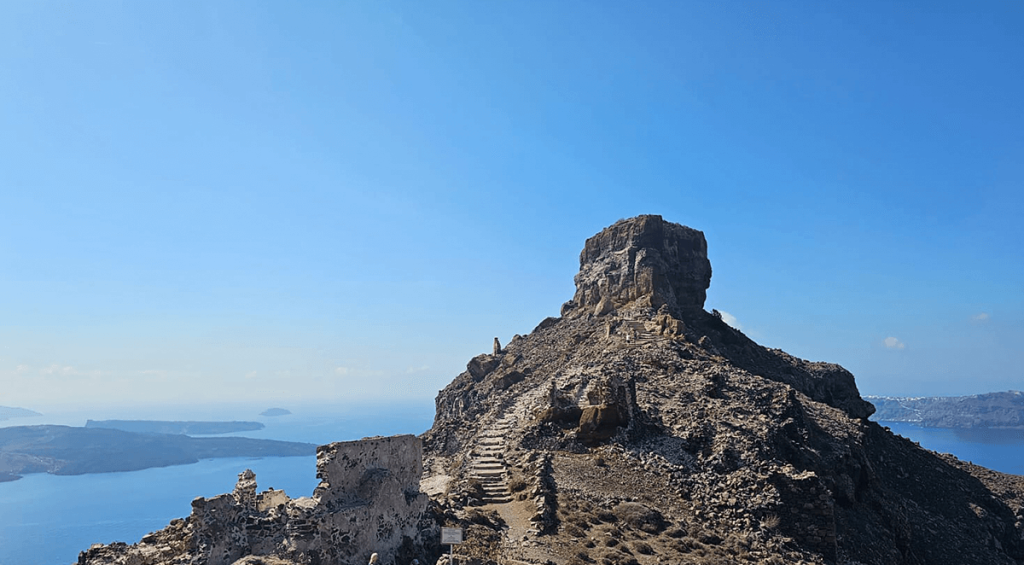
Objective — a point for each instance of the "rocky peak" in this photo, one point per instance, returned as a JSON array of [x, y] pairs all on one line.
[[643, 261]]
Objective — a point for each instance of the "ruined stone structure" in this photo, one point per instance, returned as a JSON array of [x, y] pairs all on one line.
[[368, 501]]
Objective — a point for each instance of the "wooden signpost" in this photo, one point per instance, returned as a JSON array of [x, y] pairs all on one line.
[[451, 536]]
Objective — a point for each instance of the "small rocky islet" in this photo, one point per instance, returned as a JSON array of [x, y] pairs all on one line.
[[635, 428]]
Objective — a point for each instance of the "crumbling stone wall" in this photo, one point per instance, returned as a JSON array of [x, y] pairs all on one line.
[[368, 501], [808, 511]]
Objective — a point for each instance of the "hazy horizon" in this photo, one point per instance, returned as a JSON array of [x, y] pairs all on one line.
[[346, 202]]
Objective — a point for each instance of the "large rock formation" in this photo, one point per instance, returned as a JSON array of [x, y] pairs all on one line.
[[644, 261], [368, 501], [638, 428]]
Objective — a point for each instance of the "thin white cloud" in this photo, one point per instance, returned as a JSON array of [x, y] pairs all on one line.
[[250, 375], [56, 369], [980, 318], [893, 343], [730, 319], [341, 371], [421, 369], [22, 369]]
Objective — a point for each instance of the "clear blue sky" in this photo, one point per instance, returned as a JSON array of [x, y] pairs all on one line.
[[330, 201]]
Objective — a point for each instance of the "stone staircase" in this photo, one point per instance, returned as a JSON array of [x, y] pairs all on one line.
[[636, 333], [488, 465]]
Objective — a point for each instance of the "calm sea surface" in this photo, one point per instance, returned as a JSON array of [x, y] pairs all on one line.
[[48, 520]]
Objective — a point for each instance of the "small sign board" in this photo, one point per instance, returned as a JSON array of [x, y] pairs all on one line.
[[451, 536]]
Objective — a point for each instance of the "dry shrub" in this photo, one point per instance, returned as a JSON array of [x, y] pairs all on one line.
[[606, 516], [573, 530], [676, 533], [643, 548], [640, 517], [771, 522], [517, 484]]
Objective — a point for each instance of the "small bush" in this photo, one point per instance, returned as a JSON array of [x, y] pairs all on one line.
[[606, 516], [573, 530], [641, 517], [770, 522], [676, 533], [517, 484], [643, 548]]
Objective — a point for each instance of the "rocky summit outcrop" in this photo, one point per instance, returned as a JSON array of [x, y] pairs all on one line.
[[644, 261], [639, 428]]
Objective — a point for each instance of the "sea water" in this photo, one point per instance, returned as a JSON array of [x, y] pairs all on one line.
[[48, 520], [998, 449]]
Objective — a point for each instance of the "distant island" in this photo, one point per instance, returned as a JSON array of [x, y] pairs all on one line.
[[8, 412], [275, 412], [175, 427], [65, 450], [992, 410]]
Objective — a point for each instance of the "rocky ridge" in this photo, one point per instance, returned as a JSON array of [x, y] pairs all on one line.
[[644, 429]]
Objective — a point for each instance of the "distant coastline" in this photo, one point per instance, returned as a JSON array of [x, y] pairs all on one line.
[[66, 450], [8, 412], [175, 427], [995, 410], [275, 412]]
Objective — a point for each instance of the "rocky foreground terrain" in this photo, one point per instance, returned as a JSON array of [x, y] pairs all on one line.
[[637, 428]]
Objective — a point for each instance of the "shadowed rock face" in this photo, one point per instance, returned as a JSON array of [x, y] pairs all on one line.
[[644, 261]]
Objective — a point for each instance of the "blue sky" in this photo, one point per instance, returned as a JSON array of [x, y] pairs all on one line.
[[335, 201]]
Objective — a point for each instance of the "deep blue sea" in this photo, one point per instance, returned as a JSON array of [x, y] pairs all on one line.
[[48, 520]]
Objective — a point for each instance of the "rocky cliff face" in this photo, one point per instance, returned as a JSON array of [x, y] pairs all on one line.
[[638, 428]]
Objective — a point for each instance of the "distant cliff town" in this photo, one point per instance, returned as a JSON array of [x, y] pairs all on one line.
[[992, 410]]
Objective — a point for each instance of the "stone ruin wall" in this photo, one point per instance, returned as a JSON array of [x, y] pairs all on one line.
[[368, 501], [808, 511]]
